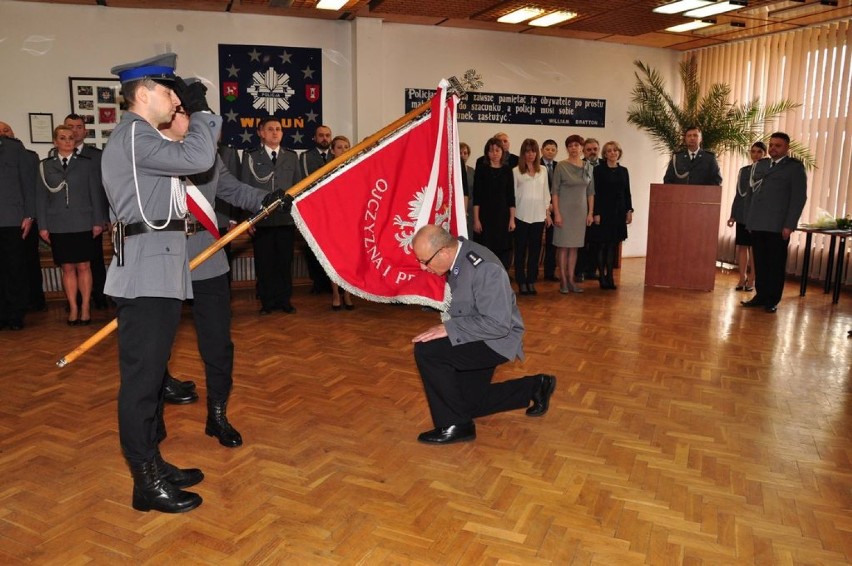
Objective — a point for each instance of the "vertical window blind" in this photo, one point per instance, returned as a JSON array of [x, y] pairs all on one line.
[[810, 66]]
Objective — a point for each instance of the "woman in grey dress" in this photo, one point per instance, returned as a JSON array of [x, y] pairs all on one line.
[[573, 194]]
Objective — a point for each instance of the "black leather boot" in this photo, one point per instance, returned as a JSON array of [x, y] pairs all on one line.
[[218, 425], [178, 477], [152, 492]]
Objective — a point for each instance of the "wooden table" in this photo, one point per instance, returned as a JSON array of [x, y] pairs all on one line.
[[830, 268]]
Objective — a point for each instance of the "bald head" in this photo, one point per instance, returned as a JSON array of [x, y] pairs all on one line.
[[435, 249], [6, 130]]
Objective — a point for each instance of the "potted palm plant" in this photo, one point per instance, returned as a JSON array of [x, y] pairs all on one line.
[[725, 126]]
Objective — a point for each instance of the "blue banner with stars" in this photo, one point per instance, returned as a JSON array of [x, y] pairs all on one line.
[[258, 81]]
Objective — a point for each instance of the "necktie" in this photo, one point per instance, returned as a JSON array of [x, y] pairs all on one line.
[[691, 156], [274, 156], [324, 157], [771, 164], [64, 162], [550, 167]]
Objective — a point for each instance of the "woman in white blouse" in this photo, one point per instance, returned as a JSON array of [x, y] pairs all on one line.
[[532, 204]]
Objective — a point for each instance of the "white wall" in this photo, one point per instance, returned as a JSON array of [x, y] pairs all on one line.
[[41, 45], [418, 56]]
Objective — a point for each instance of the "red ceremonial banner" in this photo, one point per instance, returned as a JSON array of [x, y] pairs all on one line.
[[361, 219]]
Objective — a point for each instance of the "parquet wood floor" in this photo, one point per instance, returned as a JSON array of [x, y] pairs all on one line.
[[684, 430]]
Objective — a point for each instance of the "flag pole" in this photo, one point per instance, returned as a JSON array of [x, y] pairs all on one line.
[[472, 81]]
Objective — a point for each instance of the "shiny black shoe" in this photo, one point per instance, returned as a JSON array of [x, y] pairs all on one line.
[[770, 308], [289, 309], [178, 477], [752, 304], [449, 434], [175, 393], [541, 395], [16, 324]]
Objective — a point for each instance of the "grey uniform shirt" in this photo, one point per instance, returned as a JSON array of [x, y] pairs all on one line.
[[156, 264], [779, 198], [218, 183], [483, 306]]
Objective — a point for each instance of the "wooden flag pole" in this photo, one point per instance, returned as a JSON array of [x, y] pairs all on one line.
[[471, 82]]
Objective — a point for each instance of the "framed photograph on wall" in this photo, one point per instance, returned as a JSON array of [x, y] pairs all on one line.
[[41, 127], [98, 101]]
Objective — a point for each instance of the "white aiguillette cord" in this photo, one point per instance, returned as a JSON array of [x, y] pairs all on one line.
[[178, 190]]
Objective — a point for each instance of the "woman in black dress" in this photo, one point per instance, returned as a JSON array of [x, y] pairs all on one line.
[[494, 202], [739, 208], [70, 208], [612, 213]]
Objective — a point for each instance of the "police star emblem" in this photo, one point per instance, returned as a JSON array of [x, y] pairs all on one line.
[[270, 90]]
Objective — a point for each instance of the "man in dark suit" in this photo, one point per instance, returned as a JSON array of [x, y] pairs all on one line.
[[17, 211], [78, 128], [273, 168], [310, 161], [779, 192], [693, 165], [549, 149], [481, 329]]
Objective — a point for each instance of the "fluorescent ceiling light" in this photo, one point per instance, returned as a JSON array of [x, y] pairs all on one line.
[[681, 6], [520, 15], [552, 19], [689, 26], [331, 4], [712, 10]]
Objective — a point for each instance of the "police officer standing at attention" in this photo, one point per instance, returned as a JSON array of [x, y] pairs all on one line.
[[779, 187], [272, 167], [693, 165], [481, 329], [149, 275]]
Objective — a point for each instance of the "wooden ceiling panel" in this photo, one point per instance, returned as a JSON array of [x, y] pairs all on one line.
[[622, 21]]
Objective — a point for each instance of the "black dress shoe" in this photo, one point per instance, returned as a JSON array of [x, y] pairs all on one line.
[[16, 324], [752, 304], [770, 308], [176, 394], [289, 309], [541, 395], [449, 434], [265, 311]]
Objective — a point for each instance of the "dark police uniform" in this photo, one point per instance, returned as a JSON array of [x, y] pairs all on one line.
[[484, 329], [700, 170], [310, 161], [274, 236], [777, 200], [17, 202]]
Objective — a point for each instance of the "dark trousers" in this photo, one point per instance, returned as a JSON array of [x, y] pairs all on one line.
[[317, 274], [770, 264], [549, 254], [35, 282], [13, 280], [98, 269], [273, 265], [211, 313], [527, 250], [457, 381], [146, 332]]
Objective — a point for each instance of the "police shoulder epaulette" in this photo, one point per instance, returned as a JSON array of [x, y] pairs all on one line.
[[252, 150], [288, 150], [474, 258]]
